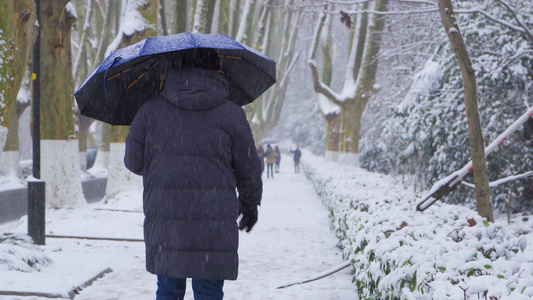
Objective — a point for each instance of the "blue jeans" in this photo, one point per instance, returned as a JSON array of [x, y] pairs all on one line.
[[171, 288]]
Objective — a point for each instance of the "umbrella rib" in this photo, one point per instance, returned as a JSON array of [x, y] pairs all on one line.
[[229, 56], [155, 63], [162, 80], [136, 80], [120, 73]]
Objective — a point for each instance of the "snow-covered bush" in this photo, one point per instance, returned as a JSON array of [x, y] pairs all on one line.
[[17, 252], [427, 132], [446, 252]]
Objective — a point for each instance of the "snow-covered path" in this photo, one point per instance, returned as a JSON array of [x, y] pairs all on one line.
[[291, 242]]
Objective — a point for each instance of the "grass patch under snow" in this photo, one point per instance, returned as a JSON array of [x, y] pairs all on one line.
[[19, 253]]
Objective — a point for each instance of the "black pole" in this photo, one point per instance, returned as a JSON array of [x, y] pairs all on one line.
[[36, 209], [36, 103], [36, 188]]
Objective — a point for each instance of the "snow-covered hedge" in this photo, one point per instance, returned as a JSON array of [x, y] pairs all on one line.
[[446, 252], [17, 252]]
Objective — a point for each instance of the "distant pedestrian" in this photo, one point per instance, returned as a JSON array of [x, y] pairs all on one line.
[[270, 155], [261, 154], [296, 158], [278, 158]]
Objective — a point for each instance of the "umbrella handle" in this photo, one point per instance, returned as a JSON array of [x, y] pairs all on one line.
[[105, 77]]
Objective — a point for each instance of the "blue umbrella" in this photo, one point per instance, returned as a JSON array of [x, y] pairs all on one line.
[[268, 140], [130, 76]]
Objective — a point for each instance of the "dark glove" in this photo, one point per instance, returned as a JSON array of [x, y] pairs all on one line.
[[249, 216]]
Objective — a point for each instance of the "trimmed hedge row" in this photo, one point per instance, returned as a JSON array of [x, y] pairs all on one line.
[[446, 252]]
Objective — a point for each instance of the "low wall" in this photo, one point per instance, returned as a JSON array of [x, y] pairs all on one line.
[[14, 203]]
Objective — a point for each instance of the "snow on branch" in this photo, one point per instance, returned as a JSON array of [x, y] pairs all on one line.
[[319, 86], [502, 180], [391, 12], [132, 21], [509, 61], [518, 20], [285, 78], [242, 25], [348, 2], [490, 17], [86, 27]]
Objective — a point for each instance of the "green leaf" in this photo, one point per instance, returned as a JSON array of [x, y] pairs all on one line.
[[486, 223], [442, 268], [500, 276], [488, 267], [413, 282]]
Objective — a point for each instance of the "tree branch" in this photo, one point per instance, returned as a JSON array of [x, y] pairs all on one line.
[[318, 85], [506, 24], [511, 59], [399, 12], [526, 30]]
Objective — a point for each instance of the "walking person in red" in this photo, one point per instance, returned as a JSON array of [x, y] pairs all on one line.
[[270, 155]]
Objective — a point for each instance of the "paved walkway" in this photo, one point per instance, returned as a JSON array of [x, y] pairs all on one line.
[[291, 242]]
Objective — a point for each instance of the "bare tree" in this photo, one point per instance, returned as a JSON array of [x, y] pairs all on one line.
[[477, 146], [360, 75]]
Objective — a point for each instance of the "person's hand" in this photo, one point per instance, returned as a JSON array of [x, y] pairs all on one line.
[[249, 216]]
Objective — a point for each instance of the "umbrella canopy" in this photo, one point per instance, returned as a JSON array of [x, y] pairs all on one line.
[[268, 140], [130, 76]]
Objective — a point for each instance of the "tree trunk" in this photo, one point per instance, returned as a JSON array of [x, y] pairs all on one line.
[[102, 156], [332, 135], [224, 17], [265, 112], [60, 153], [57, 85], [163, 16], [477, 145], [149, 11], [203, 16], [180, 16], [17, 34], [332, 119], [234, 15], [107, 33], [119, 178]]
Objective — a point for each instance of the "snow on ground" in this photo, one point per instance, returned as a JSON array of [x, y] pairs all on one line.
[[292, 241]]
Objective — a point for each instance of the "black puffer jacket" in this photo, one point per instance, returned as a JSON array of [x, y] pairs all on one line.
[[193, 148]]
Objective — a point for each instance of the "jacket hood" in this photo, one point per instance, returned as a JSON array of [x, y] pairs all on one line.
[[195, 89]]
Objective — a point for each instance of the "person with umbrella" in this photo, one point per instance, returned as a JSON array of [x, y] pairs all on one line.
[[296, 158], [190, 140], [193, 147]]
